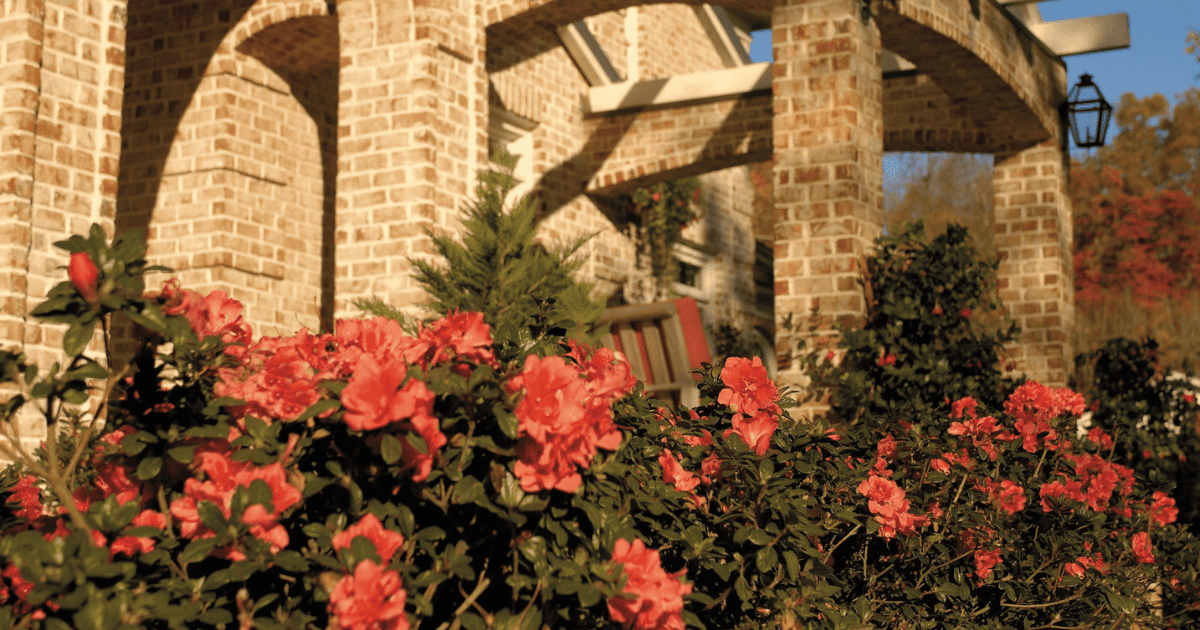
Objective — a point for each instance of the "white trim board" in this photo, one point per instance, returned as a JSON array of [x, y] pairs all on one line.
[[679, 89]]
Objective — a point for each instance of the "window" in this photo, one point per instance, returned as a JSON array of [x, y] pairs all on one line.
[[512, 134], [764, 278], [692, 281]]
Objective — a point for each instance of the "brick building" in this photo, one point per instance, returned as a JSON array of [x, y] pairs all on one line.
[[293, 152]]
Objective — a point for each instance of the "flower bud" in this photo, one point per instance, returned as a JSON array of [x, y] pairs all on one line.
[[84, 275]]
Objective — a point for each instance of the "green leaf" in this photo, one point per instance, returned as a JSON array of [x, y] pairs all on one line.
[[78, 336], [471, 621], [766, 559], [508, 422], [759, 537], [149, 468], [182, 454], [1119, 603], [95, 615], [793, 564], [197, 550], [318, 408], [211, 515], [216, 616], [391, 449], [151, 318], [91, 370], [468, 490], [588, 595], [53, 623]]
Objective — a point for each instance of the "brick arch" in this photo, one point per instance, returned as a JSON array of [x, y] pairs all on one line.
[[989, 69], [245, 200], [559, 12], [918, 116], [640, 148], [264, 15]]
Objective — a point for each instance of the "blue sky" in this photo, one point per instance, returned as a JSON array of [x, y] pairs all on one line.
[[1154, 62]]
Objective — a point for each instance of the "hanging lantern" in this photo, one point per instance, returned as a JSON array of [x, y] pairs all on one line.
[[1088, 113]]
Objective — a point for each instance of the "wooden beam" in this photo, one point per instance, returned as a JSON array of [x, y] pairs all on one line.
[[1084, 35], [679, 89], [587, 54], [721, 31]]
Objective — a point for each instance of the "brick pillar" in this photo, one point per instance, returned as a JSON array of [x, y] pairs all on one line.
[[412, 136], [1036, 276], [63, 70], [828, 134]]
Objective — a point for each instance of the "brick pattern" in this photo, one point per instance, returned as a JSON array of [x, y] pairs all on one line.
[[828, 142], [524, 75], [63, 67], [920, 116], [412, 134], [726, 228], [1033, 238], [556, 12], [241, 200], [1009, 84], [645, 147], [671, 41], [609, 28], [295, 158]]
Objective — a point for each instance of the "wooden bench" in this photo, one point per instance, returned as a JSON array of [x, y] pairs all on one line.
[[663, 343]]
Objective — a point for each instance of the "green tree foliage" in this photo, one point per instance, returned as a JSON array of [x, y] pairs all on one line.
[[499, 270], [943, 188]]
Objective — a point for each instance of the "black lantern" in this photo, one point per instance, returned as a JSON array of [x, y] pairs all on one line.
[[1089, 113]]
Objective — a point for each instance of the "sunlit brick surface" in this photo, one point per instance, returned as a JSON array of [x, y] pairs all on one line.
[[296, 157]]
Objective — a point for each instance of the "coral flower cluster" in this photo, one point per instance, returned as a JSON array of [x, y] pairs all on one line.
[[371, 597], [750, 392], [652, 598], [565, 415]]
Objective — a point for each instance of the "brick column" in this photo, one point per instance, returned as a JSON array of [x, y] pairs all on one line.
[[412, 135], [63, 71], [1036, 276], [828, 135]]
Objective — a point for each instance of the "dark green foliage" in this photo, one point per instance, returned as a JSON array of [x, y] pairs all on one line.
[[500, 271], [926, 340], [1152, 417]]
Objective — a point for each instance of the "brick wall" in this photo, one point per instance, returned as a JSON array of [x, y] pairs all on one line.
[[296, 158], [671, 40], [1033, 238], [63, 69], [828, 143], [230, 158], [638, 148], [918, 115]]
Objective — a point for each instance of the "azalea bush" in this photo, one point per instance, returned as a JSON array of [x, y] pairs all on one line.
[[483, 470], [1154, 417]]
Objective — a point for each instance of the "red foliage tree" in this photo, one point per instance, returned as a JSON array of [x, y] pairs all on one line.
[[1147, 244]]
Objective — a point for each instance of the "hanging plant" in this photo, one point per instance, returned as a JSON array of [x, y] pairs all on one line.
[[660, 213]]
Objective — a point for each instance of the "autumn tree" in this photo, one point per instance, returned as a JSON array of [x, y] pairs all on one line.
[[1137, 233], [944, 188]]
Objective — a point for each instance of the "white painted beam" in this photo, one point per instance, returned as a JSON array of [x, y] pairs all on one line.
[[1084, 35], [679, 89], [892, 62], [721, 31], [586, 52]]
